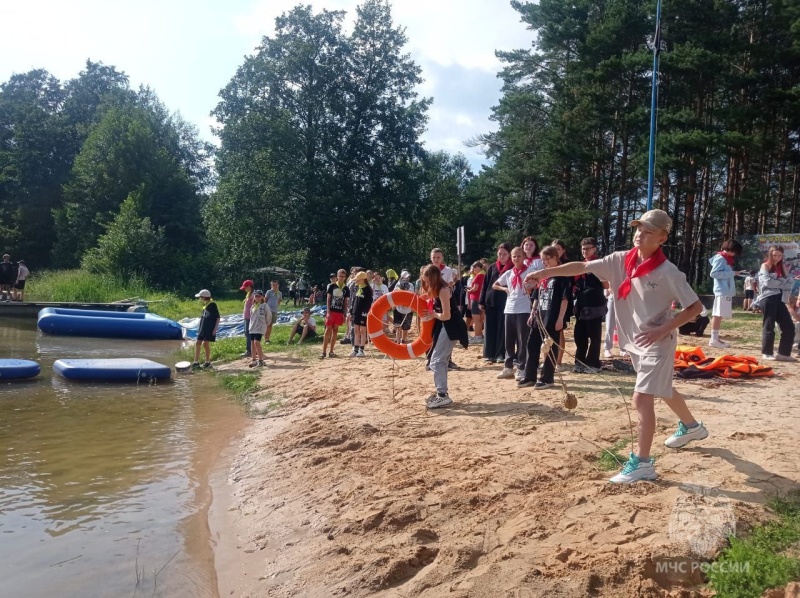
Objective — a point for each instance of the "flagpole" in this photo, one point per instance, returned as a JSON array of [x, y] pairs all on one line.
[[654, 109]]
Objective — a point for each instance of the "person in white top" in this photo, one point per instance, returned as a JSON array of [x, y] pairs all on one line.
[[750, 285], [18, 292], [260, 316], [517, 311], [645, 284], [448, 274]]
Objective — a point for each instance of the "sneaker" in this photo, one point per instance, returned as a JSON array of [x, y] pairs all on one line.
[[766, 357], [684, 435], [196, 365], [607, 354], [353, 353], [780, 357], [634, 470], [587, 369], [360, 353], [505, 374], [542, 385], [332, 354], [453, 366], [345, 341], [438, 400], [579, 369], [262, 364], [525, 383], [245, 354], [500, 360], [476, 340], [520, 376], [206, 365], [253, 363], [718, 344], [323, 356]]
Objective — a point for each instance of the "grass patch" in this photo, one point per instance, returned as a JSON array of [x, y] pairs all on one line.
[[240, 385], [82, 286], [746, 325], [764, 558], [610, 459]]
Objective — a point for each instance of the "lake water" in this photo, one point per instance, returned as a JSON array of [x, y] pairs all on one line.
[[104, 487]]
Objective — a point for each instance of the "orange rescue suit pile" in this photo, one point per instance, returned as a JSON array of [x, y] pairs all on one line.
[[691, 362]]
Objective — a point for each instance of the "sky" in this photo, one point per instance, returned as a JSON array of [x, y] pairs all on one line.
[[186, 51]]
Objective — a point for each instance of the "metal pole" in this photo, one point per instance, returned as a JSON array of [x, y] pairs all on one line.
[[654, 109]]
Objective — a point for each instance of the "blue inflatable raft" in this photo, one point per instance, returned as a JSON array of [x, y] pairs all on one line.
[[18, 369], [112, 370], [110, 324]]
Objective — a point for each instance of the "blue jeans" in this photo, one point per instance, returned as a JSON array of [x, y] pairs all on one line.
[[440, 358]]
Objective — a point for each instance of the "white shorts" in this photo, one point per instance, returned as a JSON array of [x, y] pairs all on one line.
[[654, 374], [723, 306]]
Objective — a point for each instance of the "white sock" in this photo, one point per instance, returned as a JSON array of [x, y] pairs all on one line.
[[714, 336]]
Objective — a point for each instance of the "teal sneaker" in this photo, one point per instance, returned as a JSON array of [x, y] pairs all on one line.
[[634, 470], [684, 435]]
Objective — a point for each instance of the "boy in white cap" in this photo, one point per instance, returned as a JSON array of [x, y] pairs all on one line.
[[403, 315], [207, 331], [645, 284]]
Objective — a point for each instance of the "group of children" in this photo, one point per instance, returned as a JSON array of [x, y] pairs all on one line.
[[520, 305]]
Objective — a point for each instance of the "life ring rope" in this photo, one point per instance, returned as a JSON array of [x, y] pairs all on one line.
[[382, 342]]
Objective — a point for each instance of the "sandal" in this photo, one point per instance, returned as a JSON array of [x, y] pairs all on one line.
[[322, 356]]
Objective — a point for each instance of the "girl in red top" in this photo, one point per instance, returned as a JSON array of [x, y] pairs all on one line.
[[474, 297]]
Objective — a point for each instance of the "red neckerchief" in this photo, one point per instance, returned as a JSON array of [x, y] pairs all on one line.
[[594, 257], [633, 271], [728, 258], [441, 267], [543, 284], [529, 260], [516, 278], [501, 268]]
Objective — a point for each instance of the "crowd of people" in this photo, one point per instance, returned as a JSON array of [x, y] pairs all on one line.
[[519, 306], [12, 279]]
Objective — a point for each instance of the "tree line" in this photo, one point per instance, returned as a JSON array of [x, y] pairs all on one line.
[[321, 164]]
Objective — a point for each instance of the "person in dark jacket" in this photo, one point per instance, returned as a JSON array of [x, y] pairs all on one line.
[[590, 312], [493, 303]]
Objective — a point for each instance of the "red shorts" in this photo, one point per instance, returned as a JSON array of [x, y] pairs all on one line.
[[335, 319]]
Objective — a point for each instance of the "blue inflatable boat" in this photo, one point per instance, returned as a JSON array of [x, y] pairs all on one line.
[[110, 324], [111, 370], [18, 369]]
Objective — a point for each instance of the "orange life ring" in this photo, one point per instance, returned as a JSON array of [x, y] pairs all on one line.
[[382, 342]]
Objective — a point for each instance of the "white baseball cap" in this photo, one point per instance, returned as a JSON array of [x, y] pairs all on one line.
[[205, 293]]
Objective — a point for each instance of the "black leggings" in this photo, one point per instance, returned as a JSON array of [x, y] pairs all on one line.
[[587, 341], [535, 342], [776, 312]]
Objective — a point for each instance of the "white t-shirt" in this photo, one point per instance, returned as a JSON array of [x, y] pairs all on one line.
[[649, 303], [748, 283], [378, 290], [519, 301], [259, 315], [22, 272], [311, 323], [448, 275]]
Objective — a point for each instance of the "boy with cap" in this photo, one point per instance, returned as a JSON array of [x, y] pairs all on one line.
[[645, 284], [260, 317], [18, 291], [306, 327], [403, 315], [207, 331]]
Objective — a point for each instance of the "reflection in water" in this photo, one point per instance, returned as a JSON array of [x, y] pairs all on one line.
[[97, 481]]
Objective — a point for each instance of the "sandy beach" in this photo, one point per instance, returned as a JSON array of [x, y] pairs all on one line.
[[349, 487]]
